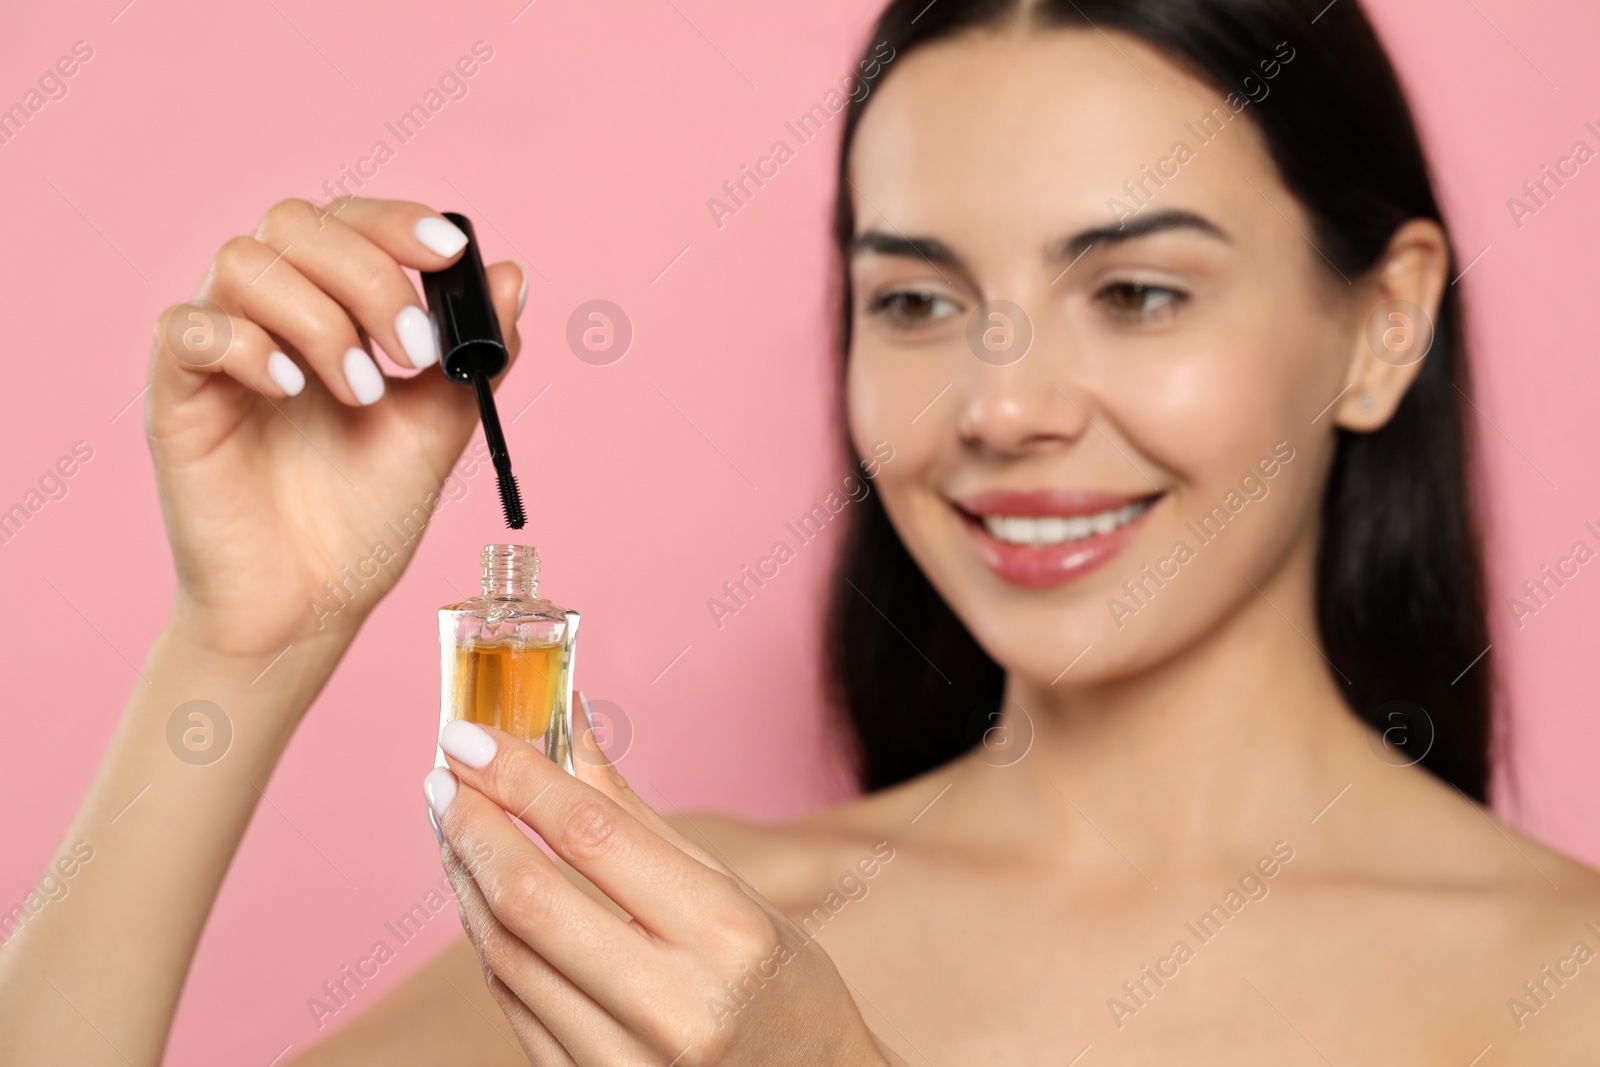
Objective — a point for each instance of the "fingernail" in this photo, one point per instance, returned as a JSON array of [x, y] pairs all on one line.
[[440, 789], [442, 236], [587, 746], [468, 743], [522, 294], [363, 376], [282, 370], [416, 336], [583, 706], [433, 821]]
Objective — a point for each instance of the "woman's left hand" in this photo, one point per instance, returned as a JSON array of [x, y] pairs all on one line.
[[705, 972]]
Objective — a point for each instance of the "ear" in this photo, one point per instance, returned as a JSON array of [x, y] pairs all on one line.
[[1397, 303]]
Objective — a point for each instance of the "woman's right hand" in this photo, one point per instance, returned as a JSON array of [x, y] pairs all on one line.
[[283, 458], [276, 474]]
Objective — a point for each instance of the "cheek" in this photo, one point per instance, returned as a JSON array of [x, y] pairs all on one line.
[[1206, 408], [1175, 407], [887, 395], [863, 397]]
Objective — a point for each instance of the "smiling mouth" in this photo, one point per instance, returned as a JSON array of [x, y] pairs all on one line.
[[1043, 531], [1046, 538]]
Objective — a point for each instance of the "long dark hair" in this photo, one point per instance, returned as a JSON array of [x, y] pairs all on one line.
[[1400, 599]]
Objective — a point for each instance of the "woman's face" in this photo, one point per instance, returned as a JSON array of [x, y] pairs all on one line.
[[1156, 454]]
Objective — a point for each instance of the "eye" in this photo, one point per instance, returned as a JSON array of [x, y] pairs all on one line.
[[909, 308], [1138, 301]]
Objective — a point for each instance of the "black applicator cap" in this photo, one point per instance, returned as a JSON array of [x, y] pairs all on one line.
[[471, 349], [463, 315]]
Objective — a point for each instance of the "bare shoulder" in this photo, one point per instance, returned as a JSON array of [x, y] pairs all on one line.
[[1534, 885], [793, 864], [1550, 946], [1502, 930]]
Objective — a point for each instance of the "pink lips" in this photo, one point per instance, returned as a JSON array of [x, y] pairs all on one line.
[[1051, 565]]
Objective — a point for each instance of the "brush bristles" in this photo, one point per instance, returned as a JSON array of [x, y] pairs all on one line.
[[511, 499]]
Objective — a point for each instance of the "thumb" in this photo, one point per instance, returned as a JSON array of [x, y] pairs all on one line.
[[589, 758], [508, 290], [593, 766], [446, 410]]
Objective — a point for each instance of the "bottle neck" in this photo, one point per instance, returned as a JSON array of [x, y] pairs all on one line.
[[510, 570]]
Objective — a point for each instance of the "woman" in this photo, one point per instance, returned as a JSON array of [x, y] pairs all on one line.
[[1162, 637]]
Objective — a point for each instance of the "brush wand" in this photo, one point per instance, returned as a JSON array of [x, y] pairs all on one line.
[[510, 498], [472, 351]]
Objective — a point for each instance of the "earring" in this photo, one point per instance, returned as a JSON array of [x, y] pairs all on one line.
[[1367, 401]]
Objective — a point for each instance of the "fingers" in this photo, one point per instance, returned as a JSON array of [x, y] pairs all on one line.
[[482, 928], [305, 293], [505, 281], [417, 236], [508, 289], [203, 339], [543, 910], [413, 235], [541, 1047], [595, 768], [648, 876], [362, 276], [662, 1014], [252, 281]]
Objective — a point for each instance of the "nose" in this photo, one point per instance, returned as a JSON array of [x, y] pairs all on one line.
[[1019, 392]]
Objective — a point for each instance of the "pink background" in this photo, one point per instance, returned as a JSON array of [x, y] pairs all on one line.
[[588, 146]]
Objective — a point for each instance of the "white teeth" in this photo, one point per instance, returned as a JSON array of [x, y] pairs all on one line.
[[1055, 530]]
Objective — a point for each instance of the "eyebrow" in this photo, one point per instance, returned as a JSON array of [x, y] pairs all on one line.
[[886, 244], [936, 251], [1140, 226]]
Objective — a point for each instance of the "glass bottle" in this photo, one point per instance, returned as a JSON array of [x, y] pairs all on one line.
[[505, 655]]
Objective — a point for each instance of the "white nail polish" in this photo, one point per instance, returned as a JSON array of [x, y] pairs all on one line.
[[362, 374], [522, 294], [468, 743], [282, 370], [440, 789], [416, 336], [442, 236]]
